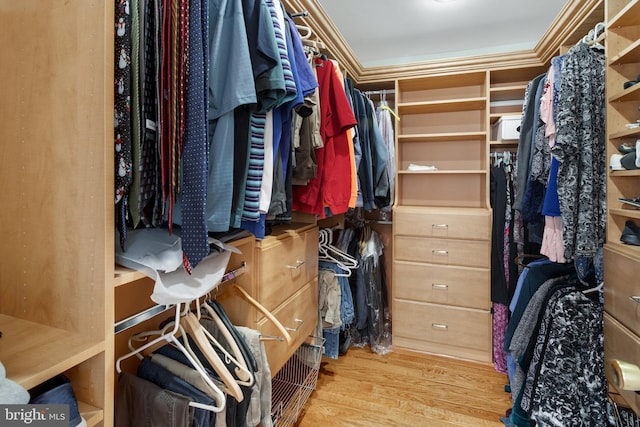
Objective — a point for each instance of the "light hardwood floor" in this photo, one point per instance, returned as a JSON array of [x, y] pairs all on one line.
[[405, 389]]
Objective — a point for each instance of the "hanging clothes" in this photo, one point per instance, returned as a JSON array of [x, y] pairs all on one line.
[[385, 124], [331, 187], [580, 150]]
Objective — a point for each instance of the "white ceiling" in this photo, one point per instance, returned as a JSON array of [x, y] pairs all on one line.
[[391, 32]]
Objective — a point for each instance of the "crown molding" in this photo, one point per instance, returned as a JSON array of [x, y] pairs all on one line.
[[572, 23]]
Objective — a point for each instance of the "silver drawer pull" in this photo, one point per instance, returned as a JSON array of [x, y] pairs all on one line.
[[440, 286], [300, 323], [635, 299], [439, 252], [445, 226], [440, 326], [297, 266]]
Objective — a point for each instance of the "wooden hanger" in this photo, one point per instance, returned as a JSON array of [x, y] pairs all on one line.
[[195, 330], [244, 375], [237, 290]]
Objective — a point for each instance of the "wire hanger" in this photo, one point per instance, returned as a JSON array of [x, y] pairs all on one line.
[[168, 335]]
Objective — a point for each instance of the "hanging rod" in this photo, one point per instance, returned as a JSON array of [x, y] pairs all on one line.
[[302, 14], [379, 92], [147, 314]]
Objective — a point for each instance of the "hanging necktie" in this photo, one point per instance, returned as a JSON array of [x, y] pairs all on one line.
[[195, 166], [136, 129], [122, 114], [150, 208]]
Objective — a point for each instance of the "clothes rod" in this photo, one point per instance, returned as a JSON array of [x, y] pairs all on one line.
[[380, 92], [302, 14], [132, 321], [147, 314]]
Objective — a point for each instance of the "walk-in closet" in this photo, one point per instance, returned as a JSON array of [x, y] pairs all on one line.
[[249, 213]]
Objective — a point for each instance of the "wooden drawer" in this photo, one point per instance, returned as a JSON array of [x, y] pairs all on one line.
[[620, 344], [299, 314], [440, 329], [621, 284], [285, 263], [459, 286], [469, 224], [470, 253]]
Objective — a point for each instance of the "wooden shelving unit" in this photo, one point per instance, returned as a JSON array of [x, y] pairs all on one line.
[[622, 262]]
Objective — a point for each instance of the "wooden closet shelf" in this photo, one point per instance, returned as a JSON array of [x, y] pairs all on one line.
[[634, 173], [513, 143], [32, 352], [628, 16], [630, 94], [444, 172], [622, 249], [124, 275], [627, 213], [507, 93], [629, 55], [441, 137], [91, 414], [627, 133], [447, 106]]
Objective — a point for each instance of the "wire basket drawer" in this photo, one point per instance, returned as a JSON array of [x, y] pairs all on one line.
[[294, 383]]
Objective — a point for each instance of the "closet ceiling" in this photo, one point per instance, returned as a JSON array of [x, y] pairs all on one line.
[[383, 32]]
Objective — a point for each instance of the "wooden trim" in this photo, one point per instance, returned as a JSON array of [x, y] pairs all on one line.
[[572, 23]]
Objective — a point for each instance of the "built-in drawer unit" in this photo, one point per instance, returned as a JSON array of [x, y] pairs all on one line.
[[286, 261], [469, 253], [452, 223], [459, 286], [299, 315], [622, 288], [449, 330]]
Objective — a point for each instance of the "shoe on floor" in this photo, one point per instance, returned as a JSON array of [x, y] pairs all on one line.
[[630, 234]]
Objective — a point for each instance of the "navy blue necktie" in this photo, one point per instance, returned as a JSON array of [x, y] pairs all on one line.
[[195, 166]]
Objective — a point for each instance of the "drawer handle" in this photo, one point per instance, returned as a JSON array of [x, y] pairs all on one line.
[[444, 226], [439, 252], [635, 299], [439, 326], [440, 286], [297, 266], [626, 375], [300, 323]]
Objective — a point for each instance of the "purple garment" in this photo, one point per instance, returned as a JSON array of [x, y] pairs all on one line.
[[500, 320]]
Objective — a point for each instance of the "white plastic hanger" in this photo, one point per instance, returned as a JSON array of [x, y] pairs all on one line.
[[328, 252], [169, 336]]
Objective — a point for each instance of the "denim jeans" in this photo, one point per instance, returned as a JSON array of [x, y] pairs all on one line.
[[58, 390], [331, 342]]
